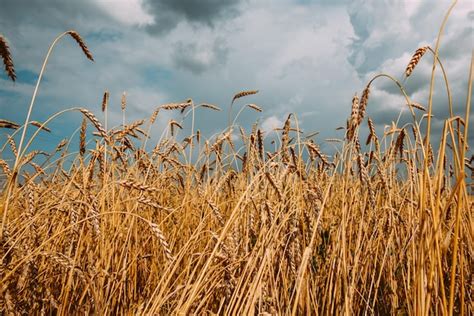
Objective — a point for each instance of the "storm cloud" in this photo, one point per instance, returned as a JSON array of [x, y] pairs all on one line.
[[198, 58], [167, 14]]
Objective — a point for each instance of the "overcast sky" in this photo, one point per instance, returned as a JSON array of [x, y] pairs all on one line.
[[305, 56]]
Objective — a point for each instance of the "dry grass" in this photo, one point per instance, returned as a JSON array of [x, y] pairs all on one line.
[[243, 228]]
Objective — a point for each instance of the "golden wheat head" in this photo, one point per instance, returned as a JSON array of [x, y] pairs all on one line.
[[415, 59], [242, 94], [105, 101], [7, 58], [8, 124], [81, 43]]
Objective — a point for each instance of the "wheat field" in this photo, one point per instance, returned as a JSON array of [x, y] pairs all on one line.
[[235, 224]]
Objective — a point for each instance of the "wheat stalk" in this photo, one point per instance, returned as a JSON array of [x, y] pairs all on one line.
[[355, 117], [38, 168], [261, 151], [372, 134], [415, 59], [254, 107], [105, 101], [61, 144], [82, 137], [131, 184], [8, 124], [94, 121], [7, 58], [6, 169], [274, 184], [177, 106], [216, 212], [29, 157], [12, 144], [173, 123], [123, 101], [315, 152], [40, 126], [242, 94], [285, 139], [162, 239], [81, 43], [364, 100], [417, 106], [210, 106], [333, 140], [399, 142], [153, 204], [129, 129]]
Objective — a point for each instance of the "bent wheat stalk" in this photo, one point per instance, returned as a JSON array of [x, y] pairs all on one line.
[[81, 43], [239, 95]]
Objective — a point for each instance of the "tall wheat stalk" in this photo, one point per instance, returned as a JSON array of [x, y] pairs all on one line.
[[11, 182]]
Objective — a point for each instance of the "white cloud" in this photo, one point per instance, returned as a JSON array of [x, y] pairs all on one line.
[[270, 123], [296, 55], [128, 12]]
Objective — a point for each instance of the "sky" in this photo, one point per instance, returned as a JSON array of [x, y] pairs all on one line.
[[307, 57]]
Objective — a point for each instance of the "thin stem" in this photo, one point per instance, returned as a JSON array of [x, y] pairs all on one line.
[[430, 98], [30, 109], [12, 181], [460, 195]]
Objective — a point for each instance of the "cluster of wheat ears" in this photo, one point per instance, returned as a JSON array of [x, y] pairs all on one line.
[[243, 227]]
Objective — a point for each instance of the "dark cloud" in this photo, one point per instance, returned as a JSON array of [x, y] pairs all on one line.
[[16, 14], [197, 59], [362, 23], [169, 13], [298, 63], [323, 2], [31, 26]]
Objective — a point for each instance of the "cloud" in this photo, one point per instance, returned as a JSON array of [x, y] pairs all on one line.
[[167, 14], [270, 123], [20, 14], [307, 58], [386, 46], [128, 12], [198, 57], [381, 36], [322, 2], [376, 32]]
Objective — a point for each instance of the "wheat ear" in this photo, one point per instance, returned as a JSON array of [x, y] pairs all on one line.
[[415, 59], [7, 58], [81, 43], [242, 94]]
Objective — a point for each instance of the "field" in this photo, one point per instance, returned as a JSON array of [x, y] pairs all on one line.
[[237, 223]]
